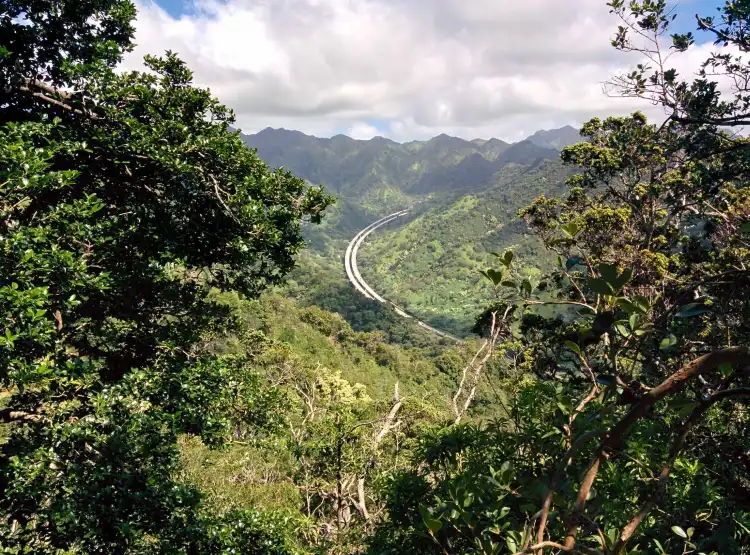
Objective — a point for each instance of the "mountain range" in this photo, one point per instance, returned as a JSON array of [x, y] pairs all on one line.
[[463, 199], [352, 168]]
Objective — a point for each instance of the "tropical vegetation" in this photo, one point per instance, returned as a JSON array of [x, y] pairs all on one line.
[[180, 376]]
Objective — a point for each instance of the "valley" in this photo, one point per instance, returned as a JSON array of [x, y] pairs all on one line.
[[463, 199], [281, 344]]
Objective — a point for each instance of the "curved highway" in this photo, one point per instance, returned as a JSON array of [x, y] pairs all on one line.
[[352, 272]]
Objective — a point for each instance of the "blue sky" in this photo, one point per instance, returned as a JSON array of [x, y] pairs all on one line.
[[685, 20], [175, 8], [686, 11]]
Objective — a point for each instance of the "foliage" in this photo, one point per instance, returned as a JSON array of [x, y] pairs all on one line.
[[330, 438], [157, 398], [252, 532], [124, 198], [652, 257], [480, 490]]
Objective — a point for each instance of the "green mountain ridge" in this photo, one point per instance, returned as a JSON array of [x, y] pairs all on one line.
[[352, 167], [463, 197], [556, 138]]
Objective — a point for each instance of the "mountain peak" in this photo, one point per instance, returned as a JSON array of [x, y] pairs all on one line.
[[355, 167], [556, 138]]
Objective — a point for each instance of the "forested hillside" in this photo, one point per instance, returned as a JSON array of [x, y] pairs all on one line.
[[463, 196], [431, 264], [185, 370]]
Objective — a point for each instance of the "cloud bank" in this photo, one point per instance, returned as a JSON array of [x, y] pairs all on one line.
[[405, 69]]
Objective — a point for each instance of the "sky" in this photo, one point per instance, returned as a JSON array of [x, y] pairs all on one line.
[[404, 69]]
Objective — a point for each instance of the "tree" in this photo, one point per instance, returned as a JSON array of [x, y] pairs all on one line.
[[649, 349], [124, 199]]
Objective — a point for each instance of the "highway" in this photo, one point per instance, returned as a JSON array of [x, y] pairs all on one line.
[[352, 273]]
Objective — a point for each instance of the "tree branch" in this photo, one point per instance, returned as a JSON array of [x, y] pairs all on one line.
[[47, 89], [488, 347], [682, 433], [8, 416], [544, 545], [673, 384], [573, 448]]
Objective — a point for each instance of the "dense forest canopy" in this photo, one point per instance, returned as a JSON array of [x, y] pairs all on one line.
[[125, 199], [164, 390]]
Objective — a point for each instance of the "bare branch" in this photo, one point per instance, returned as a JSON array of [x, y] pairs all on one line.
[[47, 88], [221, 200], [487, 349], [8, 416], [388, 423]]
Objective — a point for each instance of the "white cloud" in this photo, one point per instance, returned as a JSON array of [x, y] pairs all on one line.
[[471, 68], [362, 131]]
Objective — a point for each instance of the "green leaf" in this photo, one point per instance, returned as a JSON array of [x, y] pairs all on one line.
[[621, 329], [433, 525], [626, 305], [641, 303], [526, 284], [570, 229], [608, 272], [495, 276], [745, 227], [679, 531], [623, 278], [599, 286], [725, 370], [573, 347], [509, 283], [634, 321], [668, 342], [507, 259], [612, 534], [572, 262]]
